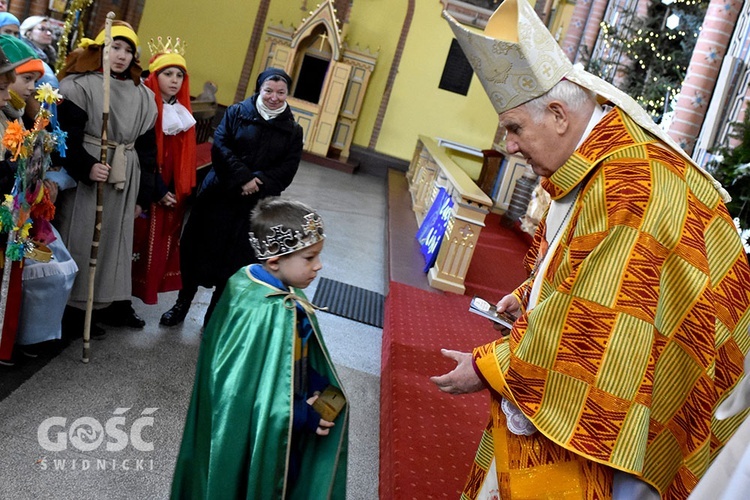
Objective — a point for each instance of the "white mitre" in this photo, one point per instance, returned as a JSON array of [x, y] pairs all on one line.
[[517, 60]]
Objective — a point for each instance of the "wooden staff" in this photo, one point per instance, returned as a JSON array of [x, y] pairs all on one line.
[[99, 189]]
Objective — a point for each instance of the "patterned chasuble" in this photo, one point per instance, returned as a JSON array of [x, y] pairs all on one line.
[[640, 330]]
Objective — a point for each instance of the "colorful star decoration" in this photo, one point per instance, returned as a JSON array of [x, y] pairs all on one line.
[[47, 94], [25, 212]]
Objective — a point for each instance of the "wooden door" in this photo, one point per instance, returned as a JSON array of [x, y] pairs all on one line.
[[330, 104], [280, 58]]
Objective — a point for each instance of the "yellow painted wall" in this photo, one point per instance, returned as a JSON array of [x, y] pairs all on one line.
[[418, 106], [218, 34], [376, 24], [287, 13], [561, 20]]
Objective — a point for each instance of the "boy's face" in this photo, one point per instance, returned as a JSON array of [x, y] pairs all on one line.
[[170, 82], [10, 29], [298, 269], [120, 56], [5, 81], [25, 84]]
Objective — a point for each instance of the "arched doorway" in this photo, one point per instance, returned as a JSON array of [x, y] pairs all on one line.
[[329, 79]]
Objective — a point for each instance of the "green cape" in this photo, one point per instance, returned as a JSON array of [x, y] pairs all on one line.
[[239, 423]]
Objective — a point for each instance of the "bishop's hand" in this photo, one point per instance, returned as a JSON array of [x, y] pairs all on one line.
[[462, 379]]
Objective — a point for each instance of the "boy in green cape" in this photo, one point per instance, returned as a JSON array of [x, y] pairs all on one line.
[[251, 429]]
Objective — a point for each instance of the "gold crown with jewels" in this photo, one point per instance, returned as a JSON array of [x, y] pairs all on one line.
[[283, 240]]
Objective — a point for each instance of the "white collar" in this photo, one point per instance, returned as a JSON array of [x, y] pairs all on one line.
[[175, 118]]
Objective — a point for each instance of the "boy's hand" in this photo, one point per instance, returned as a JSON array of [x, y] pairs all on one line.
[[99, 172], [52, 189], [324, 426], [169, 200]]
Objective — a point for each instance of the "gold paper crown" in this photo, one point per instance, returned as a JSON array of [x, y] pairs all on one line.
[[159, 47], [164, 55], [283, 240], [517, 60]]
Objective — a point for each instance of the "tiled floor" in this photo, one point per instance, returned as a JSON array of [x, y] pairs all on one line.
[[131, 373]]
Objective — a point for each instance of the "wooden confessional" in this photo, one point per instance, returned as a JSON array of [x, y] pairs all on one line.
[[329, 79]]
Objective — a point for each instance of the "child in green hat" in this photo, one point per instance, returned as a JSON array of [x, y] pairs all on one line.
[[28, 72]]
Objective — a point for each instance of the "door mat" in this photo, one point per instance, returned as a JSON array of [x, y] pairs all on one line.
[[350, 302]]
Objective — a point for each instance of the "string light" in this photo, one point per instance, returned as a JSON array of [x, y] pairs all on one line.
[[75, 9], [646, 45]]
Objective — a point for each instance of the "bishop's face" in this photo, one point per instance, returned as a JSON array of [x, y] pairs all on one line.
[[5, 82], [538, 140]]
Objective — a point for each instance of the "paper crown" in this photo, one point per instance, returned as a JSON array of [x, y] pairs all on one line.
[[166, 54], [283, 240], [517, 59]]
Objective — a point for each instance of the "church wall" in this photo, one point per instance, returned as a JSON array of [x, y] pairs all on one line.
[[288, 13], [218, 34], [375, 24], [418, 106]]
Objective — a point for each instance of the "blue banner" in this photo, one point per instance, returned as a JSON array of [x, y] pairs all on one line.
[[432, 230]]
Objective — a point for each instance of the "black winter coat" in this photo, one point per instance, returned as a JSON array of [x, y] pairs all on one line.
[[215, 242]]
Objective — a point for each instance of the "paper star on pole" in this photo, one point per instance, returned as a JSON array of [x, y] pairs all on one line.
[[47, 94]]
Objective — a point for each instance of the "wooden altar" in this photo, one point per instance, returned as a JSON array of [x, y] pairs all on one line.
[[432, 168]]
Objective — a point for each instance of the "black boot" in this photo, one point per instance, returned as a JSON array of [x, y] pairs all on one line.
[[120, 313], [73, 322], [177, 314]]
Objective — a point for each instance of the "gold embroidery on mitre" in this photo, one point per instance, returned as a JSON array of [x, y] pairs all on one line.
[[517, 59]]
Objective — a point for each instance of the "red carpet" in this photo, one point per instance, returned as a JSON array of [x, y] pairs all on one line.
[[496, 267], [427, 438]]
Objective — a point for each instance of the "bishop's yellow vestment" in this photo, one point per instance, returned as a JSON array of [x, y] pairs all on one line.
[[639, 332]]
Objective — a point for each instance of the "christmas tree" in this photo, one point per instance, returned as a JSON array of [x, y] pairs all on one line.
[[731, 167], [650, 55]]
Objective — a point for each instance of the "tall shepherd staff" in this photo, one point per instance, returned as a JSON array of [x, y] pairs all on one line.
[[99, 189]]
